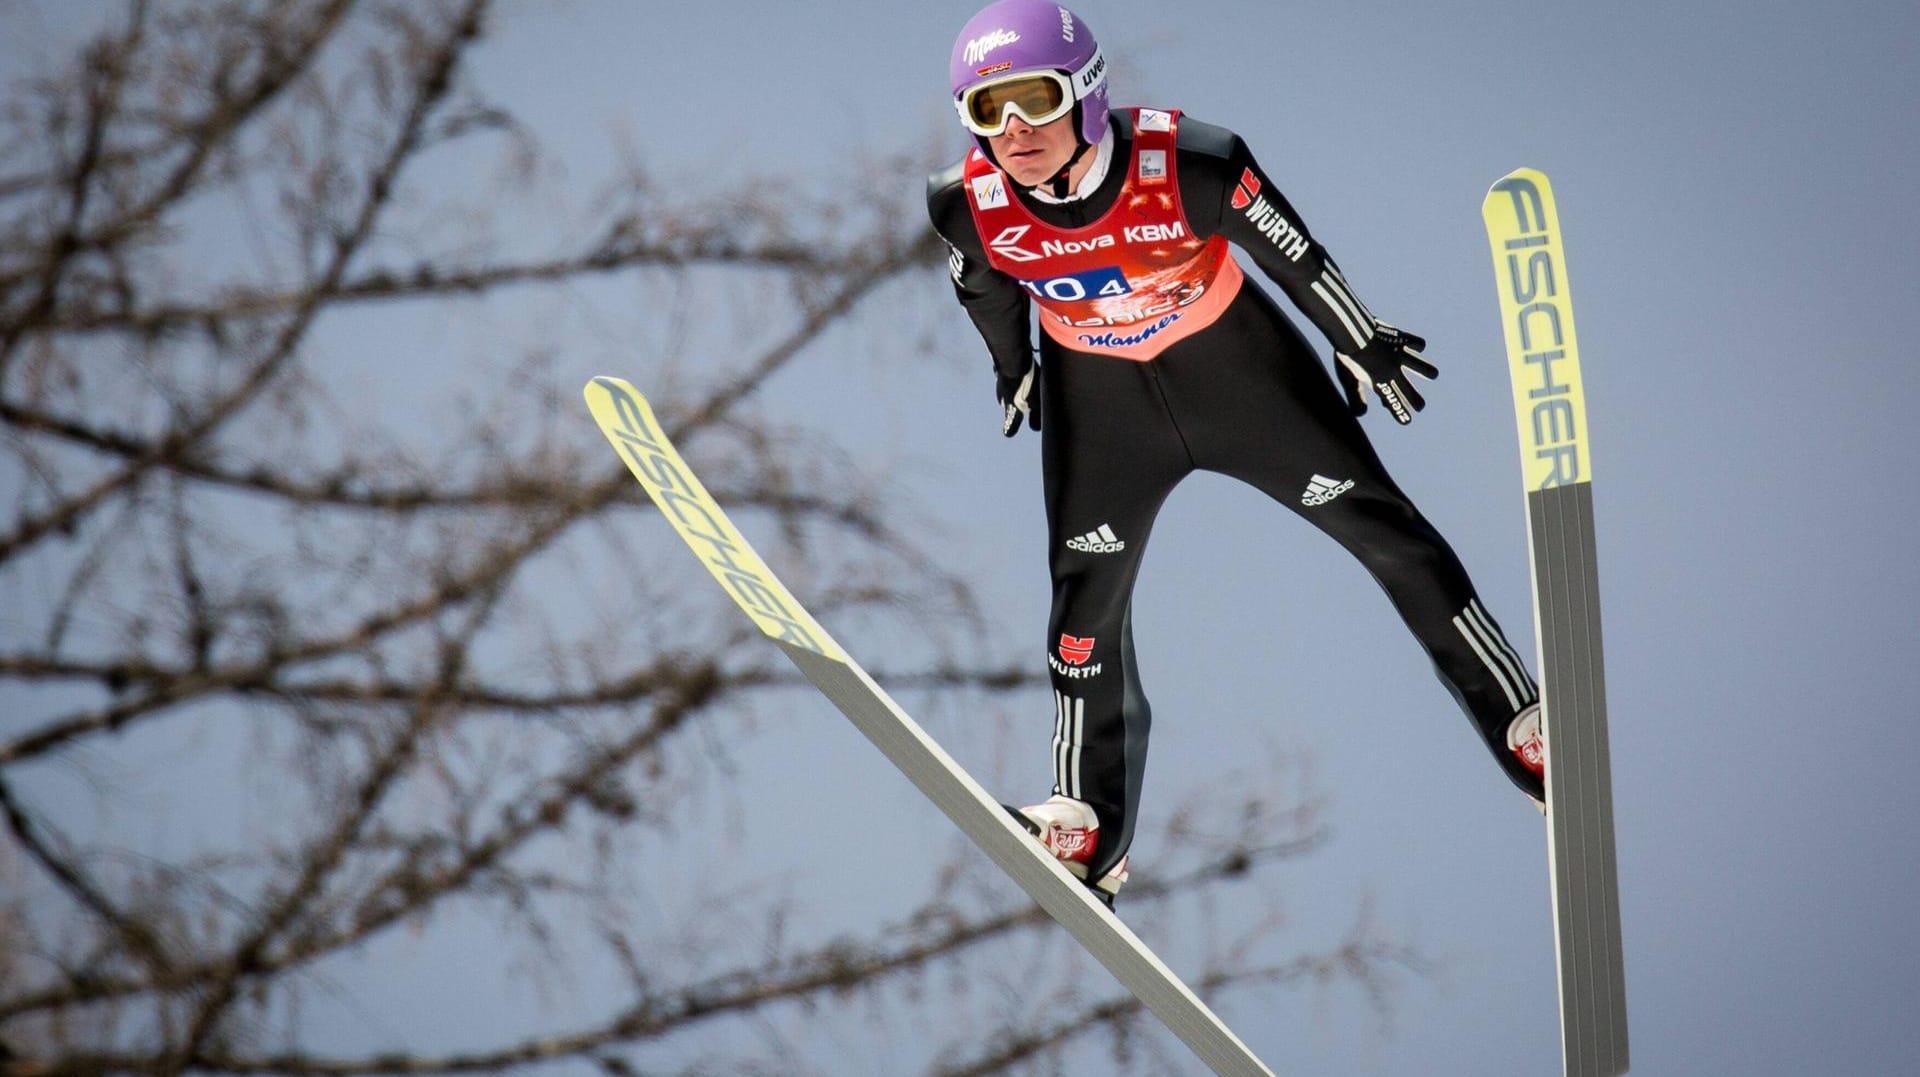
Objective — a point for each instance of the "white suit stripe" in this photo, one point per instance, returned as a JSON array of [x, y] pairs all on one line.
[[1471, 634], [1340, 312], [1477, 615]]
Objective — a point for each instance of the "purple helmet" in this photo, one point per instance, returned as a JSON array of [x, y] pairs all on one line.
[[1009, 37]]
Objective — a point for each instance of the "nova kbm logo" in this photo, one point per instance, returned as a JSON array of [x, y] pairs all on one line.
[[1007, 243]]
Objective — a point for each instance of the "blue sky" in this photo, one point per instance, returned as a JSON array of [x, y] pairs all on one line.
[[1732, 182], [1730, 179]]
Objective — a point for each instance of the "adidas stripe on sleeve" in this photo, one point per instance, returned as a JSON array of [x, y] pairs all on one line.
[[1501, 659]]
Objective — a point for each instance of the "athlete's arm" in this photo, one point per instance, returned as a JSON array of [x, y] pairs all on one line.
[[1224, 191], [996, 303]]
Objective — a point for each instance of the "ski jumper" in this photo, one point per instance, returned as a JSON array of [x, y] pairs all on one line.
[[1157, 359]]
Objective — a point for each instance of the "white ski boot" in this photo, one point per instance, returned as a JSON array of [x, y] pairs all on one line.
[[1070, 831], [1525, 741]]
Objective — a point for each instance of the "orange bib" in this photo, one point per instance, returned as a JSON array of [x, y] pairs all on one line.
[[1127, 285]]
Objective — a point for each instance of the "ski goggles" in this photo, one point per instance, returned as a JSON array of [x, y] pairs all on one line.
[[1038, 97]]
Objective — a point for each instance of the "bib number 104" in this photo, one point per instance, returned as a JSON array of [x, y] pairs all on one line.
[[1090, 284]]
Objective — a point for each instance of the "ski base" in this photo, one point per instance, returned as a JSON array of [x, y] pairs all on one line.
[[1580, 846]]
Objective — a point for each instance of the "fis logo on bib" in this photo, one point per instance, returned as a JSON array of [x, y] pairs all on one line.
[[1102, 540], [989, 191], [1072, 659], [1321, 490]]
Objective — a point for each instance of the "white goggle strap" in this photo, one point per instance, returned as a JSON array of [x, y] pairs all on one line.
[[1090, 74]]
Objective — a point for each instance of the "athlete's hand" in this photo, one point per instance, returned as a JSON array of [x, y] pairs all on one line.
[[1019, 397], [1383, 365]]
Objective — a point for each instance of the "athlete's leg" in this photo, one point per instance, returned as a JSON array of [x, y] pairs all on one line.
[[1111, 457], [1262, 408]]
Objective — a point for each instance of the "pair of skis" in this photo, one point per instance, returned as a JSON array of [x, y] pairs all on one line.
[[1530, 266]]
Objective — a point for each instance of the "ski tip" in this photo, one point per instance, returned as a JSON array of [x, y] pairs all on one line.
[[1519, 176], [617, 405], [608, 383], [1518, 189]]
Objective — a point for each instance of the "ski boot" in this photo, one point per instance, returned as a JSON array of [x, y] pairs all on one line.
[[1525, 741], [1068, 829]]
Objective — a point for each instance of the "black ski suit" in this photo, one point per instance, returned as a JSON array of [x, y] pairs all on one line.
[[1246, 397]]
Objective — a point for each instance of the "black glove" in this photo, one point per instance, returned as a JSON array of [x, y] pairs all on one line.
[[1018, 396], [1383, 364]]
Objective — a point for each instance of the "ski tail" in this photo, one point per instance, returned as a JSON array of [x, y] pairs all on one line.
[[1543, 356]]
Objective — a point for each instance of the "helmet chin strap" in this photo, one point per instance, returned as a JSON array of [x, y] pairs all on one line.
[[1058, 184]]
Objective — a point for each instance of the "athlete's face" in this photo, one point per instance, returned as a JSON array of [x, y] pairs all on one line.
[[1032, 155]]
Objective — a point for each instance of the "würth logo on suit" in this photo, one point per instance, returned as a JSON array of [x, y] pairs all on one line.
[[1072, 660]]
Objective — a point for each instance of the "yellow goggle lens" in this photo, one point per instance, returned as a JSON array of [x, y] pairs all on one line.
[[1037, 98]]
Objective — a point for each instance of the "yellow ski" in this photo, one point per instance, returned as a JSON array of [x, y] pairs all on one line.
[[1543, 357], [629, 423]]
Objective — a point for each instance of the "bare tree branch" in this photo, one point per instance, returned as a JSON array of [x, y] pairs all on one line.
[[381, 678]]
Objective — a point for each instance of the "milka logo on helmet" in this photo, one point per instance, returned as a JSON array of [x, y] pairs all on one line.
[[1110, 340], [978, 48]]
